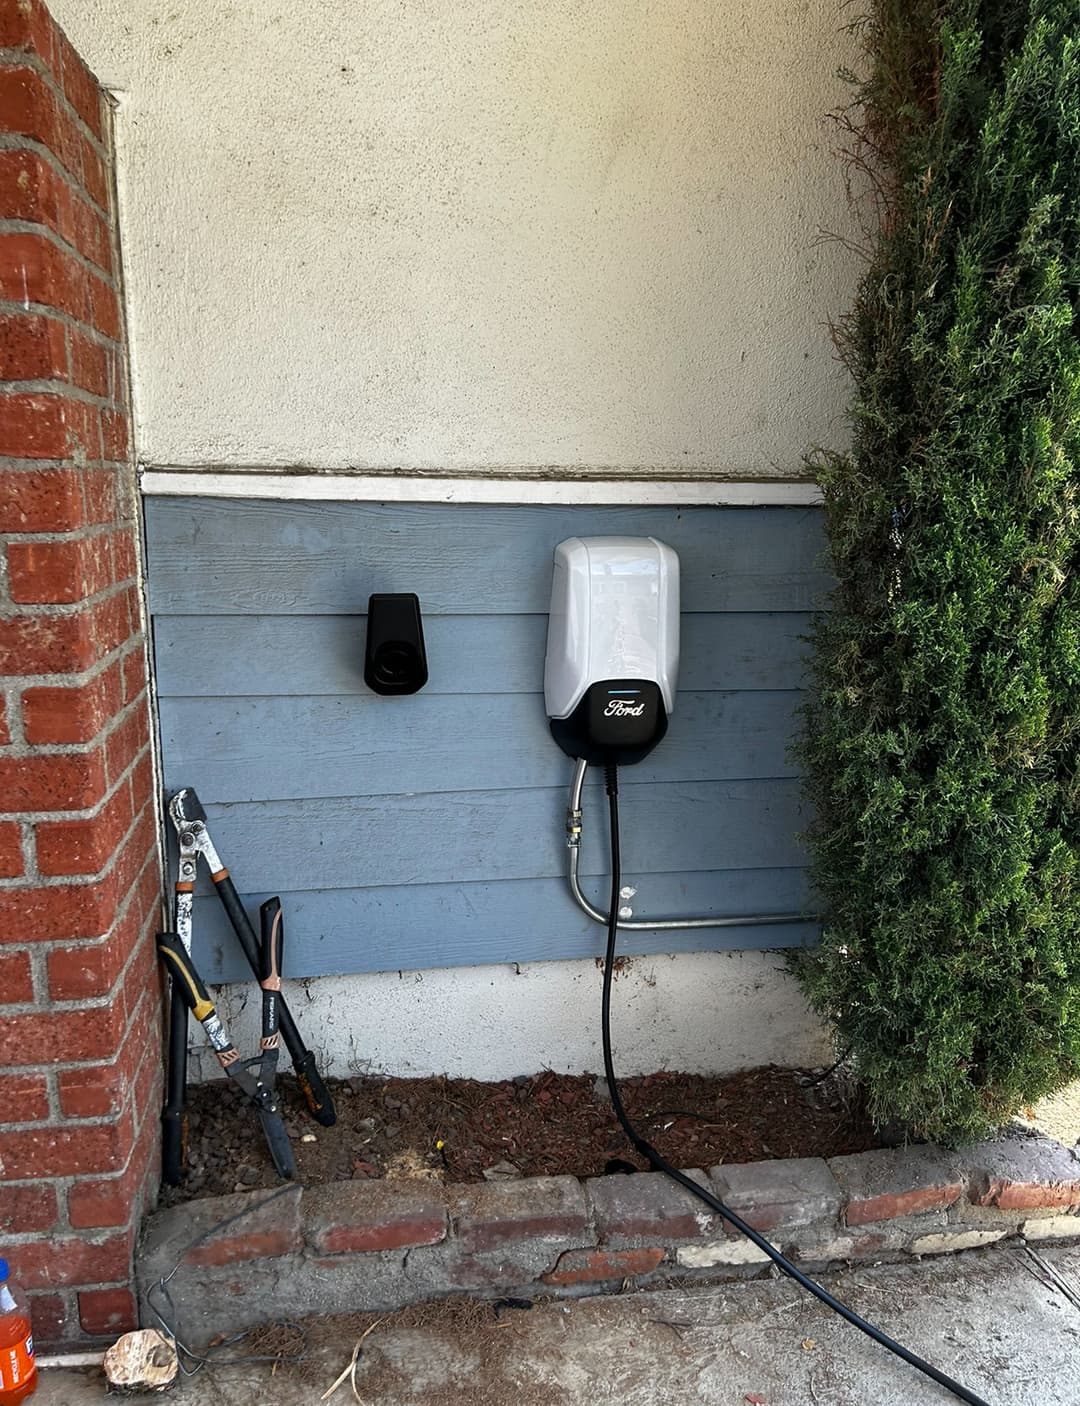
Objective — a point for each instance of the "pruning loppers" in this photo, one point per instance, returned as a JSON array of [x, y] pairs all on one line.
[[256, 1077], [193, 838]]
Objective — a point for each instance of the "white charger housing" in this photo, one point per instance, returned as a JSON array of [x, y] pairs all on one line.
[[613, 646]]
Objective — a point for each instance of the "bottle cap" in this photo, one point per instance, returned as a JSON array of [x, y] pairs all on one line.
[[4, 1271]]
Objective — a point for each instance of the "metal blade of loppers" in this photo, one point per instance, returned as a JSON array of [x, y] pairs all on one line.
[[277, 1139]]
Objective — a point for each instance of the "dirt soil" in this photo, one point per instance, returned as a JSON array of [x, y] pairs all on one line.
[[464, 1130]]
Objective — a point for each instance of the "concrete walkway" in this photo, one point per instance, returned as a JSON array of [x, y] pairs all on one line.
[[981, 1316]]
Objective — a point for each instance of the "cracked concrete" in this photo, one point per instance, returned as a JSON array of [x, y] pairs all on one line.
[[992, 1318]]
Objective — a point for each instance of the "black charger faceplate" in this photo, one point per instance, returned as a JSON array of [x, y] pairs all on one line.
[[618, 721], [395, 660]]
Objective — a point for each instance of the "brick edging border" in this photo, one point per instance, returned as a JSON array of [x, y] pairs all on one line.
[[378, 1245]]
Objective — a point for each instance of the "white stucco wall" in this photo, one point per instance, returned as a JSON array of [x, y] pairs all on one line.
[[486, 235]]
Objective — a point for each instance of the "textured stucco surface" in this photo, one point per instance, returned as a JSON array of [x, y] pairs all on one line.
[[478, 236], [703, 1012]]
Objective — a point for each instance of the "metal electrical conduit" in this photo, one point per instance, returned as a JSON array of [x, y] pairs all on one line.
[[573, 846]]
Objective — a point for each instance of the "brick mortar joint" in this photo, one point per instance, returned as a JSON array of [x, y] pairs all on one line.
[[87, 1003], [93, 1235], [89, 532], [55, 1005], [84, 815], [11, 307], [40, 230], [120, 719], [33, 882], [45, 750], [30, 58], [46, 946], [64, 387], [36, 750], [16, 684], [107, 1000], [18, 224], [964, 1197], [66, 610]]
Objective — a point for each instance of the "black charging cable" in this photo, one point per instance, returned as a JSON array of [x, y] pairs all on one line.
[[646, 1150]]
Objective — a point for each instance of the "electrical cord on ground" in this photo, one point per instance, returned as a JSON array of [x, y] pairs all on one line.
[[812, 1083], [646, 1150], [188, 1360]]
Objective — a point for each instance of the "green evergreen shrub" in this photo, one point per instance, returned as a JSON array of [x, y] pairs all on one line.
[[942, 736]]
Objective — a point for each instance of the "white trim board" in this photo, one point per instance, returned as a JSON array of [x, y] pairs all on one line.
[[430, 488]]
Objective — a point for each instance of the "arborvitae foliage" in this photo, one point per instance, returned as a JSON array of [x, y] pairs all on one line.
[[942, 741]]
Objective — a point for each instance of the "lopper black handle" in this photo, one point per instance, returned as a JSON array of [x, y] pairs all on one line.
[[174, 1114], [273, 938], [316, 1094], [186, 980], [173, 1145]]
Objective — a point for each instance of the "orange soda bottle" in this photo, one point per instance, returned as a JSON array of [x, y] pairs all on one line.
[[18, 1372]]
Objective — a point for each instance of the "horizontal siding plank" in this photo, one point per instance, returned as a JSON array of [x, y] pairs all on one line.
[[481, 836], [231, 656], [253, 749], [222, 556], [441, 925]]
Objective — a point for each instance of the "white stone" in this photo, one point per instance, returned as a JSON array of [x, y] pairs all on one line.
[[841, 1248], [950, 1240], [1051, 1228], [141, 1361], [720, 1252]]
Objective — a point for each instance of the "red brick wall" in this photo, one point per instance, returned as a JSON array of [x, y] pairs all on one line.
[[80, 1034]]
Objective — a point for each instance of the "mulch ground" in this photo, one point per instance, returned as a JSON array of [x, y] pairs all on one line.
[[464, 1130]]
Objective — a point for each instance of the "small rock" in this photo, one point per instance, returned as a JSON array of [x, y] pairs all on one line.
[[141, 1361], [501, 1171], [412, 1166], [366, 1125], [309, 1137], [248, 1175], [522, 1081], [391, 1103], [392, 1129]]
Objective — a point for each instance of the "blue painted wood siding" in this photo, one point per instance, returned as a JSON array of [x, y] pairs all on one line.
[[428, 831]]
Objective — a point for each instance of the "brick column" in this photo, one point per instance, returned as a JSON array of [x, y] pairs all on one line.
[[80, 1031]]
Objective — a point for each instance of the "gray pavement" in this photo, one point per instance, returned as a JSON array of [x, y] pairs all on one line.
[[982, 1317]]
